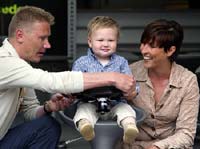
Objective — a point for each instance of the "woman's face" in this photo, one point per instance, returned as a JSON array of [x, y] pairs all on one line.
[[154, 57]]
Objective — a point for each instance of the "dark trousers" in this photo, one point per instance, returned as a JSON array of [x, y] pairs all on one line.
[[41, 133]]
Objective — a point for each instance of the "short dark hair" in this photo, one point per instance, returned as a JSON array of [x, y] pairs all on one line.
[[164, 34]]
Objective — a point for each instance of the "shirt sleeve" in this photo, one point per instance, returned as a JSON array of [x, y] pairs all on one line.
[[30, 104], [78, 65], [186, 123], [125, 67], [18, 73]]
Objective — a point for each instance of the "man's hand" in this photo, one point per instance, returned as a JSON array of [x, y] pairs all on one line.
[[126, 83], [58, 102]]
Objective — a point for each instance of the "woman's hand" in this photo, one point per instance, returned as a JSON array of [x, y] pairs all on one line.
[[132, 92], [132, 95]]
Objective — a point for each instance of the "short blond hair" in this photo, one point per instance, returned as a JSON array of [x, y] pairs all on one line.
[[102, 22], [27, 15]]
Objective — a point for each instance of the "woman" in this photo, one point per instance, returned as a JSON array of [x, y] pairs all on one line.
[[169, 93]]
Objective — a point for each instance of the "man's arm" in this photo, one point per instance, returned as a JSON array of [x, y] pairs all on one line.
[[126, 83]]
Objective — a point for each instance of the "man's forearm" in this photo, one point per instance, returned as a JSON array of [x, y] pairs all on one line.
[[125, 83], [92, 80]]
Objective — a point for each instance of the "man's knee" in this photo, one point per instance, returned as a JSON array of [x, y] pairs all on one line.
[[51, 124]]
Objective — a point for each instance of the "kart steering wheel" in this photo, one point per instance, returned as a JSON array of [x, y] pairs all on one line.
[[102, 96]]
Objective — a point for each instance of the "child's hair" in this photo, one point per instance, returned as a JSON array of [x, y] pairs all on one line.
[[102, 22]]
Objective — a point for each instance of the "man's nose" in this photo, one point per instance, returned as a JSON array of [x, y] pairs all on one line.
[[47, 45]]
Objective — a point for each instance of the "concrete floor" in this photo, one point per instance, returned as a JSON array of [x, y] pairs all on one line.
[[72, 136]]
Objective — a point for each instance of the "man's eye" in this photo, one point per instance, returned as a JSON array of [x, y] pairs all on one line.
[[42, 38]]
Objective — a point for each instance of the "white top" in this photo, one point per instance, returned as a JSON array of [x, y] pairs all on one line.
[[16, 73]]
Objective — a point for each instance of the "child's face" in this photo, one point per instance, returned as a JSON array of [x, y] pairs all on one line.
[[103, 41]]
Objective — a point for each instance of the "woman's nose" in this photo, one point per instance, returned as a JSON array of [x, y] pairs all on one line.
[[144, 48]]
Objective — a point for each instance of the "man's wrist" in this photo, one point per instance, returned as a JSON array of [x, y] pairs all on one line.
[[111, 79], [46, 108]]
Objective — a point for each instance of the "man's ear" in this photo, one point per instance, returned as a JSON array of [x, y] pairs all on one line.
[[19, 35], [171, 50]]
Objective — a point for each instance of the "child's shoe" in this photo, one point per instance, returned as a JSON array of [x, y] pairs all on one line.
[[86, 129], [130, 132]]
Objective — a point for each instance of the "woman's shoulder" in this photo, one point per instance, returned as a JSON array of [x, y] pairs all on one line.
[[182, 70], [135, 65], [138, 70], [182, 76]]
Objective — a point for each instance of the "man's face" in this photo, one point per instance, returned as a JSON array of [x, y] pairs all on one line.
[[35, 41]]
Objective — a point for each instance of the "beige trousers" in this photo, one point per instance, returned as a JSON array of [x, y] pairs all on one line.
[[88, 111]]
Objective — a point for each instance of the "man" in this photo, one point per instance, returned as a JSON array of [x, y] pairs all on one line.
[[27, 41]]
